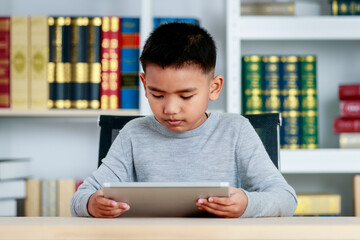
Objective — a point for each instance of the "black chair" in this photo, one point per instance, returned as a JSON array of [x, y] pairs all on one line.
[[267, 126]]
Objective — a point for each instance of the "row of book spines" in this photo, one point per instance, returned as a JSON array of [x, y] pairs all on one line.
[[318, 204], [49, 197], [345, 7], [285, 84]]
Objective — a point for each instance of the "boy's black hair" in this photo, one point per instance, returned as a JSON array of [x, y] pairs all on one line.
[[175, 44]]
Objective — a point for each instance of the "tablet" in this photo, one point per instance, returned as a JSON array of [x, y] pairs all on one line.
[[164, 199]]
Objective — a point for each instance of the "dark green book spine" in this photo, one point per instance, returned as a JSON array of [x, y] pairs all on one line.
[[51, 64], [94, 61], [309, 110], [252, 84], [290, 129], [79, 47], [272, 83]]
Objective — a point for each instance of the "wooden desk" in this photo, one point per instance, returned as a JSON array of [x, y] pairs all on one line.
[[180, 228]]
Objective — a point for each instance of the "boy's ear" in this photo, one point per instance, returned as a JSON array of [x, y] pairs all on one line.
[[143, 80], [216, 85]]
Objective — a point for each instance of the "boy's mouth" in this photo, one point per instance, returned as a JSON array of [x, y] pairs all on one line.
[[174, 122]]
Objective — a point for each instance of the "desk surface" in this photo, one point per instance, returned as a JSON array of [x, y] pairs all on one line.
[[180, 228]]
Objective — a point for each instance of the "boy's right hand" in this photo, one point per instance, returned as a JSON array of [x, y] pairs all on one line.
[[101, 207]]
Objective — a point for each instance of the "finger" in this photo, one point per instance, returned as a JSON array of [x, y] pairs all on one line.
[[119, 205], [112, 213], [214, 211], [225, 201], [215, 206], [106, 202]]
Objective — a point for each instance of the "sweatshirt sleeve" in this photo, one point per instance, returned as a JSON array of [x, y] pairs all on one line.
[[269, 195], [117, 166]]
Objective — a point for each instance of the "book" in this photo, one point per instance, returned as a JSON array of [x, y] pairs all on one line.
[[318, 204], [309, 106], [162, 20], [349, 140], [8, 208], [105, 64], [13, 189], [275, 8], [51, 69], [343, 125], [130, 42], [290, 131], [272, 83], [345, 7], [19, 64], [33, 198], [62, 62], [94, 61], [114, 66], [252, 84], [350, 108], [4, 62], [66, 188], [39, 40], [12, 168], [356, 187], [49, 198], [79, 63], [349, 91]]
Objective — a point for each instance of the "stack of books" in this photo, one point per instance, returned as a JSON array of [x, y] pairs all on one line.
[[318, 204], [13, 174], [348, 124], [285, 84], [49, 197]]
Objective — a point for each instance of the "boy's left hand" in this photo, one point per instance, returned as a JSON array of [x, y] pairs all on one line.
[[227, 207]]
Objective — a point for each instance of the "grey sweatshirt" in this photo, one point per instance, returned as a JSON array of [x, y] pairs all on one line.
[[225, 148]]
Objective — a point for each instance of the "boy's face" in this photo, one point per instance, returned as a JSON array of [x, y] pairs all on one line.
[[179, 97]]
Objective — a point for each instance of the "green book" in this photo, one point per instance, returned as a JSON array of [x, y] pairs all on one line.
[[252, 84], [309, 111]]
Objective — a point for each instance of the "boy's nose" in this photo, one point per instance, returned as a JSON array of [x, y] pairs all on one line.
[[171, 106]]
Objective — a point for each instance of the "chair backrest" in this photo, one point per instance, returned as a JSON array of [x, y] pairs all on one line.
[[267, 126]]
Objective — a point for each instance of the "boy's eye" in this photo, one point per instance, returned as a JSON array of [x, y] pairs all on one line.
[[157, 96], [187, 97]]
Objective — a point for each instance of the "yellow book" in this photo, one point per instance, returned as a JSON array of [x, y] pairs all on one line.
[[33, 198], [19, 66], [318, 204], [39, 86], [357, 195], [66, 189]]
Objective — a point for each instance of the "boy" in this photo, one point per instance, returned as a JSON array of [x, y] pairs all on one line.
[[181, 142]]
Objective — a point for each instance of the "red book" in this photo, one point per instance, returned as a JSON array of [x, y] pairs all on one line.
[[349, 91], [350, 108], [342, 125], [105, 64], [4, 62], [115, 59]]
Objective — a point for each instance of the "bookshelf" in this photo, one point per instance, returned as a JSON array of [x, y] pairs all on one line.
[[337, 48]]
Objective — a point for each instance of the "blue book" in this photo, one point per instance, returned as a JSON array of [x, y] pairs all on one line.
[[129, 60], [291, 111], [129, 98], [189, 20], [161, 20]]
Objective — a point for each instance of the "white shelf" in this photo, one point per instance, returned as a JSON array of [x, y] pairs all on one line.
[[298, 28], [320, 161], [65, 113]]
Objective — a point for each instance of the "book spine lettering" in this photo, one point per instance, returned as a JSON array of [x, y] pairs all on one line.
[[342, 125], [115, 58], [105, 64], [350, 108]]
